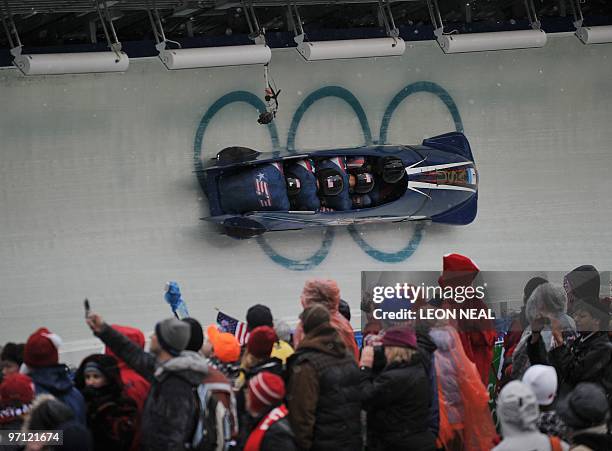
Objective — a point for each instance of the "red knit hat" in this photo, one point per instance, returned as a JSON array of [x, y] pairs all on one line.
[[400, 336], [41, 349], [265, 389], [16, 387], [458, 270], [261, 341]]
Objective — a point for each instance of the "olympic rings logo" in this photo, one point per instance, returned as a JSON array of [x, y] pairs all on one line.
[[345, 95]]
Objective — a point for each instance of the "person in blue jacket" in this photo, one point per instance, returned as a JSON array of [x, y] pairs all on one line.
[[302, 186], [259, 188], [336, 185]]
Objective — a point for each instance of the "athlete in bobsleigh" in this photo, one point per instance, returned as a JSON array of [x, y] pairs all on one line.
[[260, 188], [340, 190]]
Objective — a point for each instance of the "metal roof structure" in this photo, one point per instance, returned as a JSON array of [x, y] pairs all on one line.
[[44, 23]]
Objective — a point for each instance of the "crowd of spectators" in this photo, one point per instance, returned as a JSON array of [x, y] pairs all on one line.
[[418, 386]]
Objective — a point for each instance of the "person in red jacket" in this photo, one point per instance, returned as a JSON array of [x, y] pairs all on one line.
[[477, 335], [135, 386]]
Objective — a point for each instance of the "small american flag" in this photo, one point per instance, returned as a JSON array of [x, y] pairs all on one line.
[[233, 326]]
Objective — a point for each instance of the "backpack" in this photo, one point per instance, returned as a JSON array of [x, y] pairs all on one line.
[[212, 429]]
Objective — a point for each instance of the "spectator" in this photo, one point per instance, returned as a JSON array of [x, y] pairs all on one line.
[[196, 335], [16, 396], [327, 293], [260, 315], [581, 283], [220, 387], [427, 348], [283, 331], [477, 336], [517, 326], [256, 359], [111, 416], [465, 418], [11, 358], [258, 355], [398, 399], [323, 395], [542, 379], [134, 385], [345, 309], [223, 352], [47, 414], [585, 411], [264, 402], [547, 304], [42, 359], [169, 416], [588, 358], [517, 410]]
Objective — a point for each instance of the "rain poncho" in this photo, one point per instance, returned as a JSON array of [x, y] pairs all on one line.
[[477, 335], [465, 418], [327, 293]]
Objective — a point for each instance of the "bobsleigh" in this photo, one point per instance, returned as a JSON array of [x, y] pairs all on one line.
[[247, 195]]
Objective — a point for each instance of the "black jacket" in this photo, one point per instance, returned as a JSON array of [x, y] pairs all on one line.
[[169, 414], [587, 359], [323, 393], [596, 439], [271, 365], [427, 348], [398, 406]]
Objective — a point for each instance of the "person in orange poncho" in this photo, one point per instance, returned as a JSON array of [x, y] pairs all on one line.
[[477, 335], [327, 293], [465, 418]]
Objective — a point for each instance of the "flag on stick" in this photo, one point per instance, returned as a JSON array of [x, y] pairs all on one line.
[[233, 326]]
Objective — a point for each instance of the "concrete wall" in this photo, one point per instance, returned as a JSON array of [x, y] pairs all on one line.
[[98, 197]]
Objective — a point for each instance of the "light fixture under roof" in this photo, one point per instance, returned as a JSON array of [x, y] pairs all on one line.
[[114, 60], [392, 45], [589, 35], [202, 57], [478, 42]]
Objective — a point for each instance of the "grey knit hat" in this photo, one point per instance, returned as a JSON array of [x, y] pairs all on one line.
[[586, 406], [173, 335]]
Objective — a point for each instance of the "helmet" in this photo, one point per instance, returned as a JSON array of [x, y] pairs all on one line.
[[392, 170], [364, 182], [293, 185], [331, 182]]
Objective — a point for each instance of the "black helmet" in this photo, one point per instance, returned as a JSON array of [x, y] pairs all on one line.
[[364, 182], [392, 170], [331, 182], [293, 185]]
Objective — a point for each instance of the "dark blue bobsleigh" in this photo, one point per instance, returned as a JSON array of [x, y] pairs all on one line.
[[247, 193]]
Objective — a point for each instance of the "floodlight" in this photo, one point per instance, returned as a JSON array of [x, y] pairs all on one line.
[[478, 42], [234, 55], [595, 35], [351, 48], [503, 40], [69, 63], [231, 55], [392, 45]]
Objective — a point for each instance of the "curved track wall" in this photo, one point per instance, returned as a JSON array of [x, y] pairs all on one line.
[[98, 196]]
